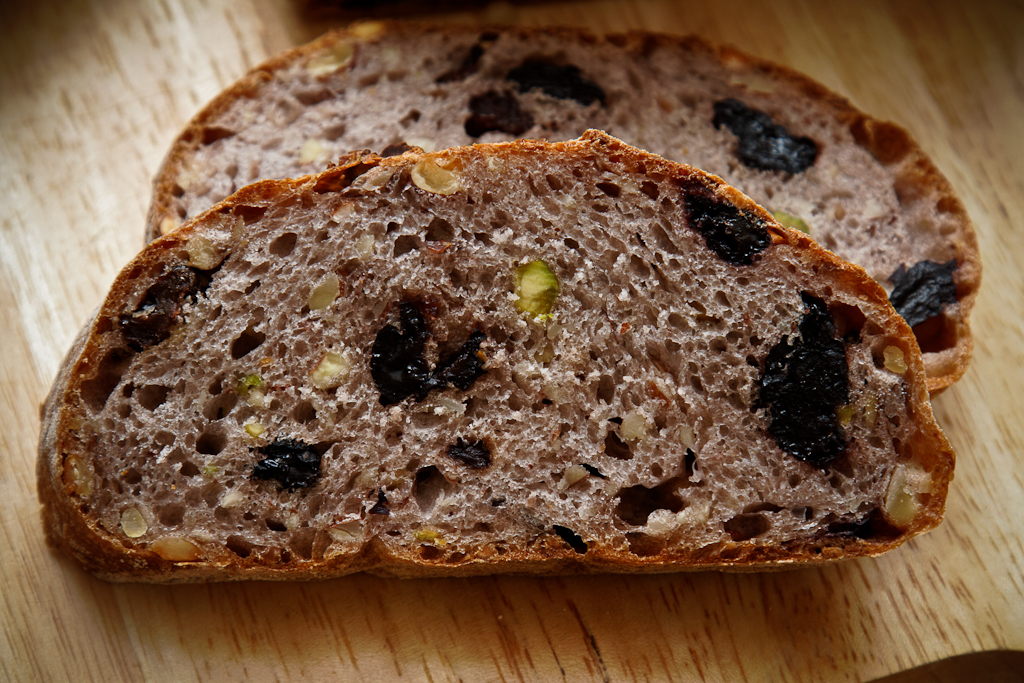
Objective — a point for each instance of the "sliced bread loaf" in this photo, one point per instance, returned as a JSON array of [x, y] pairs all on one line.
[[862, 188], [516, 357]]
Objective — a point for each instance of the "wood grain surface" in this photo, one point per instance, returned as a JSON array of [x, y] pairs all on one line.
[[92, 93]]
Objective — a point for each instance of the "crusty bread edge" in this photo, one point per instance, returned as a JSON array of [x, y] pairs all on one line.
[[92, 548]]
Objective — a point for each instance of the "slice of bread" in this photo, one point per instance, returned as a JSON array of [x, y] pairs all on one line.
[[862, 188], [515, 357]]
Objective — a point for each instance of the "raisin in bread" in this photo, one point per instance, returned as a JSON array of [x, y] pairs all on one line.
[[515, 357], [861, 187]]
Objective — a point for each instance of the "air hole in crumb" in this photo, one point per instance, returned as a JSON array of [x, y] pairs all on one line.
[[284, 245], [411, 117], [275, 525], [171, 515], [616, 448], [314, 504], [97, 390], [211, 134], [440, 230], [246, 342], [131, 476], [430, 485], [650, 189], [744, 527], [405, 244], [304, 412], [571, 538], [610, 189], [794, 480], [606, 389], [302, 543], [188, 469], [636, 503], [393, 437], [219, 406], [211, 493], [430, 553], [643, 545], [211, 442], [239, 546]]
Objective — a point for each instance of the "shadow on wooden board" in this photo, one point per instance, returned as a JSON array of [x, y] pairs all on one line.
[[823, 623], [997, 666]]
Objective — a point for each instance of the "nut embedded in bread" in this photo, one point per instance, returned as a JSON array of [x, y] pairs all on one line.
[[860, 187], [519, 357]]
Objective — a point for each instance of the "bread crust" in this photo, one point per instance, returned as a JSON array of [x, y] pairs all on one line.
[[71, 529]]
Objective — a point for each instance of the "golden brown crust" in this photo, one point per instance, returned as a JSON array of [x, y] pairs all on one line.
[[70, 528]]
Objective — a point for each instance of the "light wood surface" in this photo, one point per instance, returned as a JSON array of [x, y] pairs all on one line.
[[91, 94]]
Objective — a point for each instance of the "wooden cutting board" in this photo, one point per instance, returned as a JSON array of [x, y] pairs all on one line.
[[91, 94]]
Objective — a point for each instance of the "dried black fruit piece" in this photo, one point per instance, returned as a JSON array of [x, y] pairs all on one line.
[[763, 144], [381, 508], [562, 81], [399, 370], [460, 369], [396, 360], [476, 456], [921, 292], [569, 536], [735, 235], [803, 384], [294, 464], [497, 111], [151, 322]]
